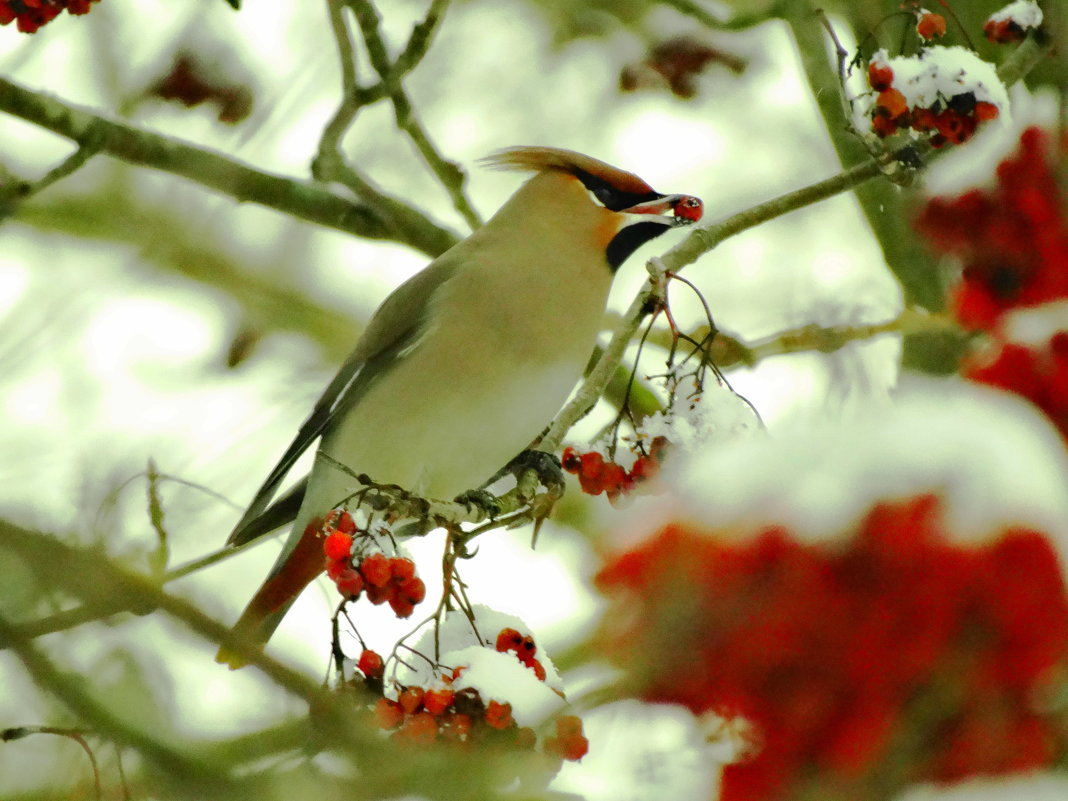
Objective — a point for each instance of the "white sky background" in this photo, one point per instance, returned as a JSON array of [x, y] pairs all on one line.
[[107, 362]]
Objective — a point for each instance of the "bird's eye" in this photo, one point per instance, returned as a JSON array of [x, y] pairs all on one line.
[[606, 195]]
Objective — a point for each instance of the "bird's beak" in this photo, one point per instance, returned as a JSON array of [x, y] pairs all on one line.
[[676, 209]]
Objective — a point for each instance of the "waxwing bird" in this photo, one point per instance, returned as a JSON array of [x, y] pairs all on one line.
[[465, 363]]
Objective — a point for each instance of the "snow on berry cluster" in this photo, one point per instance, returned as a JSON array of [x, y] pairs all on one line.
[[1012, 23], [480, 693], [943, 92], [360, 563], [511, 640], [29, 15]]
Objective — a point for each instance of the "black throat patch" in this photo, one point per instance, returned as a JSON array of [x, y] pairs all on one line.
[[630, 239]]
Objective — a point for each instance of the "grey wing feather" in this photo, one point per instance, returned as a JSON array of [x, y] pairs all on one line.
[[394, 329], [282, 510]]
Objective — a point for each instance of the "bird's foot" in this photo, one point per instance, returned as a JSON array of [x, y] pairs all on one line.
[[482, 501], [545, 465]]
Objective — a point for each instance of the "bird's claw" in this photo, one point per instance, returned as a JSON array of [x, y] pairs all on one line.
[[547, 467], [481, 500]]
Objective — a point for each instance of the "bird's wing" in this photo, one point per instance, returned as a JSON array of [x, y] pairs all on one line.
[[391, 333]]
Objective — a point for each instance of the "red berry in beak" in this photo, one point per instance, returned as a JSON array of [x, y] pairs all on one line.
[[689, 208]]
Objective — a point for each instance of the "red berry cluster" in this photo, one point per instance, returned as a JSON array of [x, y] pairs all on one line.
[[524, 649], [838, 652], [382, 578], [443, 714], [428, 715], [930, 25], [1012, 239], [29, 15], [953, 120], [597, 475]]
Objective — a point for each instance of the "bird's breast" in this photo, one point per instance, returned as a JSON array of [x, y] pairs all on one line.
[[501, 348]]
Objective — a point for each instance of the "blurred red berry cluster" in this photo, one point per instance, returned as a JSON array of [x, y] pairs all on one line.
[[839, 653], [441, 713], [29, 15], [1013, 242], [356, 567], [189, 83], [953, 119], [1039, 374], [678, 63], [596, 474], [1012, 238]]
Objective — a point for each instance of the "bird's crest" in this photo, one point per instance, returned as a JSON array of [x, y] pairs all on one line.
[[539, 159]]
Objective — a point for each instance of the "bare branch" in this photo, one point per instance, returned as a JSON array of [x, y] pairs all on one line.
[[307, 201], [419, 41]]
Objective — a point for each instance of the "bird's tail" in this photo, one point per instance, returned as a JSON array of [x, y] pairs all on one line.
[[288, 578]]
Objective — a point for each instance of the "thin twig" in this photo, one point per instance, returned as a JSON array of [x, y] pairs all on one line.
[[450, 175], [18, 732], [329, 164], [419, 41], [159, 558], [350, 104], [16, 191]]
